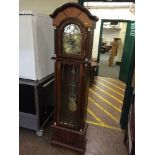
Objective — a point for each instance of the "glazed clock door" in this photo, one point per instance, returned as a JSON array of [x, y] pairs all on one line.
[[72, 36], [70, 79]]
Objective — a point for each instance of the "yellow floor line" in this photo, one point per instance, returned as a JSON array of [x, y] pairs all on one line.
[[109, 88], [97, 118], [94, 123], [101, 122], [98, 124], [120, 101], [119, 82], [112, 84], [104, 110], [106, 101]]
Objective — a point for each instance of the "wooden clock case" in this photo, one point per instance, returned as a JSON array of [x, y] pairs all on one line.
[[69, 128]]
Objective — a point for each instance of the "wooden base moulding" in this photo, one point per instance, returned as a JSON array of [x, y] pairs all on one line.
[[71, 139]]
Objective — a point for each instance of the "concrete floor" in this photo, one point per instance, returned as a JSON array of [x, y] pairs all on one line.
[[100, 141], [106, 70], [104, 137]]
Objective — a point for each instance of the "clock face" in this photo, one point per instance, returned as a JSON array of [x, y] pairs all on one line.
[[72, 39]]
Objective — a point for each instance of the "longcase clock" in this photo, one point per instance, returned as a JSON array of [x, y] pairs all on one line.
[[74, 29]]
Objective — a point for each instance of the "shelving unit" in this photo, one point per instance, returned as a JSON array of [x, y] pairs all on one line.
[[36, 103]]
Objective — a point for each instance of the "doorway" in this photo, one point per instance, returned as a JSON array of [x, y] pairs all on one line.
[[112, 37], [126, 67]]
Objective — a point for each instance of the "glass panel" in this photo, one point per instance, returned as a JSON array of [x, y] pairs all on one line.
[[72, 39], [69, 95]]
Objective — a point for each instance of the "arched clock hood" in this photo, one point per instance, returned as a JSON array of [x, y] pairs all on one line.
[[73, 10]]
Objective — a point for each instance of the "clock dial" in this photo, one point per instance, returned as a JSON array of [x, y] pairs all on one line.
[[72, 40]]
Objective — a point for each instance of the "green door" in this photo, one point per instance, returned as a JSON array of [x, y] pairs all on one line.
[[127, 58], [127, 71]]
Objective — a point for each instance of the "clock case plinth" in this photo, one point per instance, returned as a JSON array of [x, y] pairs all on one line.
[[71, 139], [72, 134]]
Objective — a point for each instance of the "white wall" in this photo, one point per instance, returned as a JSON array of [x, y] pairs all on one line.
[[44, 6], [108, 13], [48, 6], [110, 34]]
